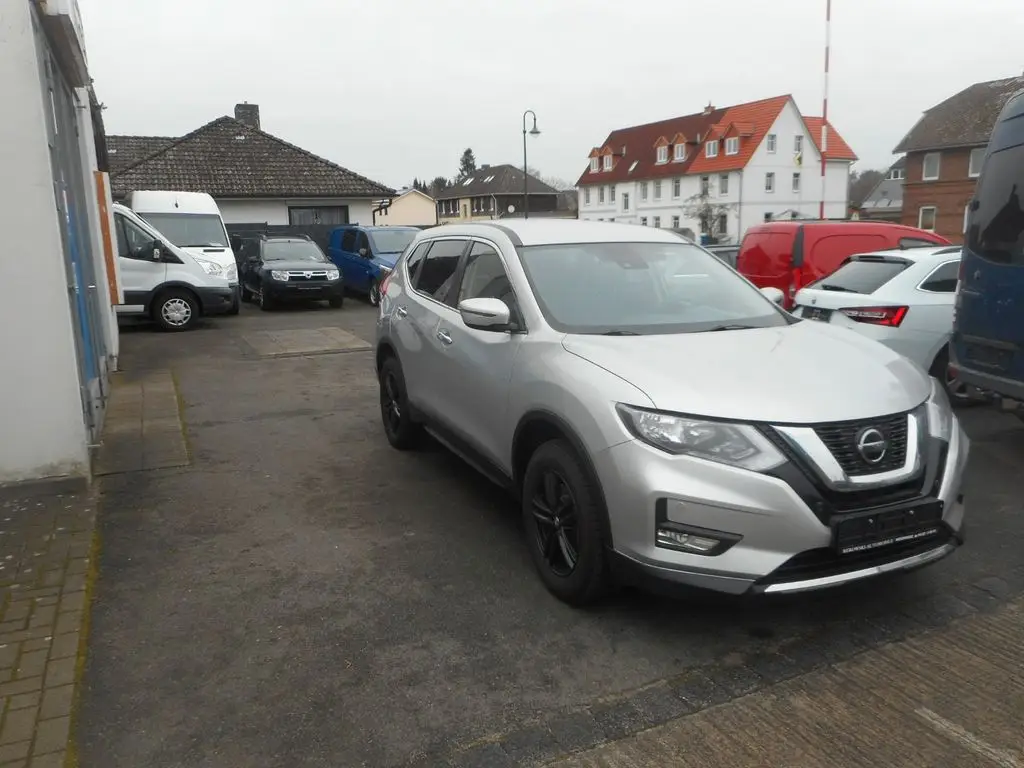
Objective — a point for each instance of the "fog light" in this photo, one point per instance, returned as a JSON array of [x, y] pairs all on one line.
[[686, 542]]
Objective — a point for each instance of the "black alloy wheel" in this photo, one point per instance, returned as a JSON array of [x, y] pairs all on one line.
[[399, 427], [554, 516]]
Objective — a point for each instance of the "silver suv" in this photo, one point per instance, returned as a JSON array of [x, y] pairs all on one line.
[[660, 418]]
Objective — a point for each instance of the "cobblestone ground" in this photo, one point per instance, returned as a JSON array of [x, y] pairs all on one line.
[[45, 559]]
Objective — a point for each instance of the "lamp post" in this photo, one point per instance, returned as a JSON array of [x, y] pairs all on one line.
[[534, 131]]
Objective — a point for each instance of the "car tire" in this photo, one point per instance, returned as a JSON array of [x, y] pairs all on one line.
[[176, 310], [399, 427], [236, 304], [244, 294], [265, 302], [562, 509], [960, 395], [336, 303], [374, 295]]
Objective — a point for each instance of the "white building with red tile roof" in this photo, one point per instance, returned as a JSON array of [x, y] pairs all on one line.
[[718, 171]]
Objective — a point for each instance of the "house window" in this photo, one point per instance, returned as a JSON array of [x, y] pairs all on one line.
[[607, 162], [322, 214], [586, 195], [897, 173], [732, 145], [675, 222], [676, 188], [611, 193], [600, 194], [930, 167], [798, 144], [643, 190], [796, 182], [657, 222], [643, 221], [769, 182], [977, 156], [770, 146], [705, 186], [595, 165], [723, 223], [662, 154], [926, 218], [657, 190], [625, 201], [723, 184], [711, 149], [680, 152]]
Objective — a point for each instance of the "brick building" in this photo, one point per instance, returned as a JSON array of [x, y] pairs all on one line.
[[944, 152]]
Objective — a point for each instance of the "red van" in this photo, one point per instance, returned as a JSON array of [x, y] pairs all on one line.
[[790, 254]]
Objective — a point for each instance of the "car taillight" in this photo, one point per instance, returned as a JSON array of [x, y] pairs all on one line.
[[889, 316], [384, 284]]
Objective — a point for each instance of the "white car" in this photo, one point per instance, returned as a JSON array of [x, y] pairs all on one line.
[[902, 298]]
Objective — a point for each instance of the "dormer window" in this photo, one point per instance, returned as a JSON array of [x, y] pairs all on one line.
[[732, 145], [595, 165], [680, 153], [662, 154], [607, 162], [711, 148]]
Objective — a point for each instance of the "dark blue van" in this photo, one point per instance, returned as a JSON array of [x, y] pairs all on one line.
[[988, 327], [365, 255]]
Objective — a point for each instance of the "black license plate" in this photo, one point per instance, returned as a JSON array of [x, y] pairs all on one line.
[[817, 313], [866, 531]]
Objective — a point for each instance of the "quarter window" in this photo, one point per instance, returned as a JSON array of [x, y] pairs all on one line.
[[943, 279], [437, 273]]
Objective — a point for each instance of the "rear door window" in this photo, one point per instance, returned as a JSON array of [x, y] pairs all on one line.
[[861, 276], [437, 274], [943, 279]]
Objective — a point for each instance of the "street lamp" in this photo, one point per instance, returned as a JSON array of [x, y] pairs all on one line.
[[534, 131]]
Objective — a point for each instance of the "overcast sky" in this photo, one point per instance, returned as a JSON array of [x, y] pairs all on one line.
[[398, 88]]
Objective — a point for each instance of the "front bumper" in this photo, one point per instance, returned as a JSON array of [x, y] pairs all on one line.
[[216, 301], [781, 525], [292, 290]]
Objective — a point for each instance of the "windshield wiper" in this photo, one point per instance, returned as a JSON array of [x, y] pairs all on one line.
[[830, 287], [620, 333], [732, 327]]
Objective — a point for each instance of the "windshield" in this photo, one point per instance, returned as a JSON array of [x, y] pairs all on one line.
[[391, 240], [642, 288], [292, 250], [861, 276], [190, 230]]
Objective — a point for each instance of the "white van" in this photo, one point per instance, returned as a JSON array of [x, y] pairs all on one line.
[[165, 282], [192, 221]]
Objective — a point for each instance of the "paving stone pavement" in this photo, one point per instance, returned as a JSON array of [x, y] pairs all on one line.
[[142, 427], [46, 557], [303, 341]]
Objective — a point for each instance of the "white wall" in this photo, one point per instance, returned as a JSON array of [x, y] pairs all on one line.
[[275, 210], [42, 429]]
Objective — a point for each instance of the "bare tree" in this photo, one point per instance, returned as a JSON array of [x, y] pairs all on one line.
[[862, 183], [552, 181], [707, 209]]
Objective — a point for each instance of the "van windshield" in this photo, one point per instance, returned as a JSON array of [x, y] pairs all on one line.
[[190, 230], [996, 231]]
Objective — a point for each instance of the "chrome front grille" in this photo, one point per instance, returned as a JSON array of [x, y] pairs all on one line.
[[306, 275], [842, 438]]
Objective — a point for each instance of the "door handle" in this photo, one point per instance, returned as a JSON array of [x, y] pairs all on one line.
[[401, 311], [444, 337]]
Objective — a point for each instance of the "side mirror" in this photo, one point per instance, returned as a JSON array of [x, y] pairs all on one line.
[[364, 253], [773, 294], [155, 250], [485, 314]]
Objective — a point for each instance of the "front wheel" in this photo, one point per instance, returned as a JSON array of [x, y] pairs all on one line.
[[562, 518], [263, 300], [176, 310]]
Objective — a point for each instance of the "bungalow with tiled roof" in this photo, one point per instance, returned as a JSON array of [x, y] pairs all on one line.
[[255, 177], [718, 171]]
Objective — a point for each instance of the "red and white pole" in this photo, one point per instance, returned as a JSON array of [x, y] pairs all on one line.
[[824, 107]]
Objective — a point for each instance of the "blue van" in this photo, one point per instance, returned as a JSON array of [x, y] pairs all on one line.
[[365, 255], [988, 327]]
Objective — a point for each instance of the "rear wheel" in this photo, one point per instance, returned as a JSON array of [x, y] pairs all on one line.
[[401, 430], [562, 519], [176, 310]]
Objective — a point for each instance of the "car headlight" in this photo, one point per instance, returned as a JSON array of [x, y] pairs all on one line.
[[940, 413], [232, 272], [279, 274], [738, 445], [333, 274], [211, 268]]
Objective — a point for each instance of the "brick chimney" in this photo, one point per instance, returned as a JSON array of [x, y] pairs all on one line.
[[707, 110], [249, 114]]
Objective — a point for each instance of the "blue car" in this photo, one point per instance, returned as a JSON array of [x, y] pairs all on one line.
[[365, 255]]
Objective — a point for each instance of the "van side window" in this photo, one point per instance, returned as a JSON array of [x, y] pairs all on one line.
[[362, 242], [348, 241], [943, 279], [996, 224], [131, 239]]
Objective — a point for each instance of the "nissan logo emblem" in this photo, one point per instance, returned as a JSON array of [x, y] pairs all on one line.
[[872, 445]]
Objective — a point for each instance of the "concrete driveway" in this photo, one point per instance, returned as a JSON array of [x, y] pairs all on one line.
[[303, 595]]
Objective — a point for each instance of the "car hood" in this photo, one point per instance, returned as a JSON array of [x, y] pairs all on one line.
[[803, 373], [298, 265]]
